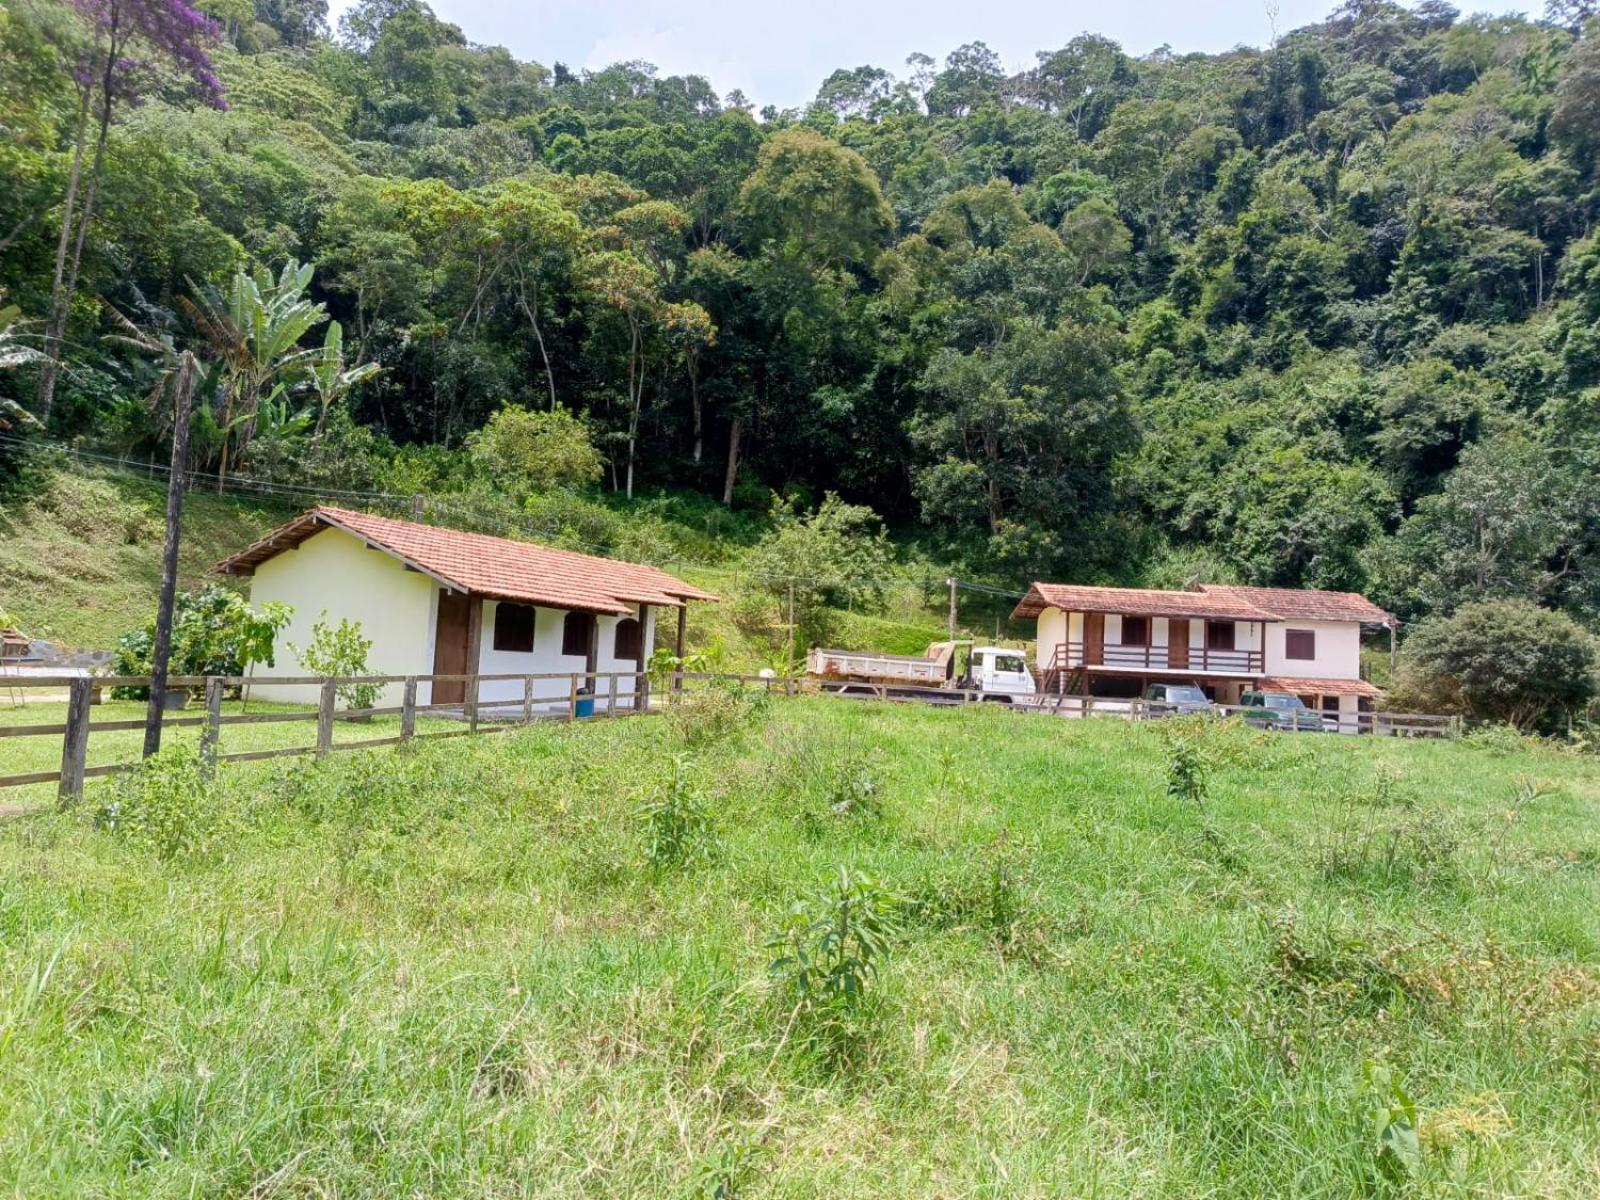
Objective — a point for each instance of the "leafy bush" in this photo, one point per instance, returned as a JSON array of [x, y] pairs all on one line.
[[338, 650], [679, 826], [164, 803], [839, 552], [214, 632], [1498, 660], [828, 951], [524, 450], [700, 718], [1186, 773]]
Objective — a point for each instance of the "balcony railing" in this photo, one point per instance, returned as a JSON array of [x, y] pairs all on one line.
[[1199, 660]]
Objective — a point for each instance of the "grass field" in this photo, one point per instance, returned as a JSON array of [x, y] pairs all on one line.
[[1322, 967]]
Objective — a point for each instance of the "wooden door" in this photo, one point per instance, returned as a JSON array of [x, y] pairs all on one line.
[[450, 647], [1094, 639], [1178, 643]]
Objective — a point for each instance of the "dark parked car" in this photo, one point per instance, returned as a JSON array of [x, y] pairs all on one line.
[[1279, 710], [1176, 699]]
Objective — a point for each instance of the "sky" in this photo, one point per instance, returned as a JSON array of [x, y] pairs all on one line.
[[778, 51]]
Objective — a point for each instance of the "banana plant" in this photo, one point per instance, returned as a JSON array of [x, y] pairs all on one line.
[[253, 330], [15, 352], [331, 379]]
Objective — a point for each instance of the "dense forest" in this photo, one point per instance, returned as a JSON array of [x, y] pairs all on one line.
[[1326, 313]]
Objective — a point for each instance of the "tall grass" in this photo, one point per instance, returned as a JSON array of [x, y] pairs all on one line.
[[469, 969]]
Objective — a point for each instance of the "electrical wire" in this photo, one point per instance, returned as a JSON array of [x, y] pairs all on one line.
[[238, 484]]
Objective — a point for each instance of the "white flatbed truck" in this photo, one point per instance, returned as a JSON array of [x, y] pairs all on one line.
[[995, 673]]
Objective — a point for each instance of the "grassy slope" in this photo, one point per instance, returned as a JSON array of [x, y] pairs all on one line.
[[452, 973], [80, 561]]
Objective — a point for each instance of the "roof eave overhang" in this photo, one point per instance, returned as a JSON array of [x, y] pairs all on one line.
[[312, 523]]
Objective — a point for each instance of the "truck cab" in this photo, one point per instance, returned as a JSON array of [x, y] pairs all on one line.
[[1001, 674]]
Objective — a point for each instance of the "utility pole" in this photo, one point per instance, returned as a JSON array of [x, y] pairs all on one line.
[[416, 507], [952, 582], [161, 651]]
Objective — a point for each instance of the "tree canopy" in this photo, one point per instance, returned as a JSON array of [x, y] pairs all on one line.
[[1324, 313]]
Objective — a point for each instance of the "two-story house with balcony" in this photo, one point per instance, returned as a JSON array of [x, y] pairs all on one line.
[[1104, 641]]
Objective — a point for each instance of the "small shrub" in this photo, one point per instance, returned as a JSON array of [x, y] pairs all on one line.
[[854, 789], [1379, 835], [215, 631], [754, 614], [828, 951], [164, 803], [707, 716], [337, 650], [1187, 772], [678, 823], [1392, 1118], [1499, 739]]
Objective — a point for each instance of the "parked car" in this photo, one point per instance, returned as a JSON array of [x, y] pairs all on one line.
[[1176, 699], [1280, 710]]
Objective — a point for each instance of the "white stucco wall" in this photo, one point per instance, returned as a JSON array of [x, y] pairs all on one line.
[[547, 657], [333, 573], [1052, 631], [1338, 650]]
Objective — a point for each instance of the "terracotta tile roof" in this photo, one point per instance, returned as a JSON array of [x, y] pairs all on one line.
[[1317, 687], [1304, 604], [1137, 602], [498, 568]]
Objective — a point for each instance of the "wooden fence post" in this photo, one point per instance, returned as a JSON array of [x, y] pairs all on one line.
[[325, 705], [408, 709], [611, 704], [75, 745], [572, 700], [472, 704], [211, 731], [527, 700]]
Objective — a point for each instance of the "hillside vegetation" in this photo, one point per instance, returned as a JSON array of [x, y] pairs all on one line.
[[1100, 959], [1323, 313], [80, 553]]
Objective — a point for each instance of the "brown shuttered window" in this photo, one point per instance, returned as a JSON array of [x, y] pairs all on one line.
[[1300, 643], [575, 634], [513, 628], [1219, 635], [630, 640], [1135, 631]]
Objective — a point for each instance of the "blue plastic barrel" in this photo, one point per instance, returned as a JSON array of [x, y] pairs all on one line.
[[585, 706]]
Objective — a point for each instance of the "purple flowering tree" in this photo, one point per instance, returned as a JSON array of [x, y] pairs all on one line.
[[131, 46]]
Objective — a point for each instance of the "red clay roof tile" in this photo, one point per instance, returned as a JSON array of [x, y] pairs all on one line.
[[499, 568], [1316, 687], [1136, 602], [1304, 604]]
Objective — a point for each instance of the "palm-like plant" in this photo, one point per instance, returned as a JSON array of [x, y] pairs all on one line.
[[254, 330], [15, 352], [331, 378]]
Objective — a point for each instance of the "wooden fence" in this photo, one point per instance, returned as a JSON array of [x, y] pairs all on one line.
[[596, 691], [571, 695]]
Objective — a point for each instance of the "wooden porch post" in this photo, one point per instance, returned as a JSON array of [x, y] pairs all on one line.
[[677, 645], [591, 656], [474, 654]]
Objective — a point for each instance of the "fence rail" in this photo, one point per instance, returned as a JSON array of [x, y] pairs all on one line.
[[591, 693], [583, 693]]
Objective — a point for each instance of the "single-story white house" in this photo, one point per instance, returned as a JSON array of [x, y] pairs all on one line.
[[1226, 639], [442, 602]]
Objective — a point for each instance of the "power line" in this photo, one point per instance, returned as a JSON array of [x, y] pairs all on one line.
[[238, 484]]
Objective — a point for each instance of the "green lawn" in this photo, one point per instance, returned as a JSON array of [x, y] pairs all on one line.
[[453, 971]]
